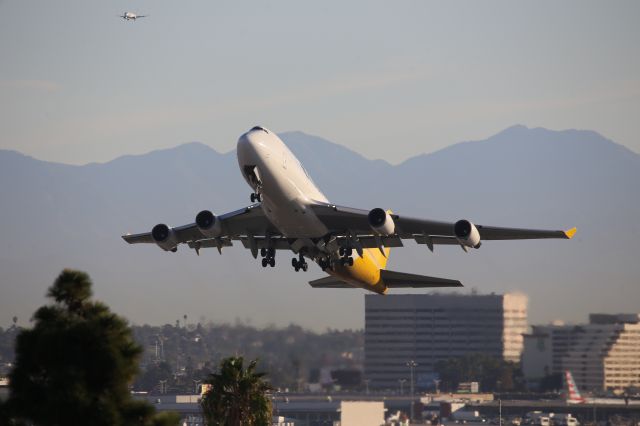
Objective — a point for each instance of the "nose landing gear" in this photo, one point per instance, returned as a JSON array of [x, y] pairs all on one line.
[[255, 196]]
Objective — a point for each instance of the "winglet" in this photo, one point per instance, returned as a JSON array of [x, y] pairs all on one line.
[[570, 233]]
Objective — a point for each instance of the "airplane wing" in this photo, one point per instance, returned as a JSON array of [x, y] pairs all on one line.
[[393, 279], [240, 224], [329, 282], [349, 221]]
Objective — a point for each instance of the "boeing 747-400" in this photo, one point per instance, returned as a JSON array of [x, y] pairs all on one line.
[[289, 212]]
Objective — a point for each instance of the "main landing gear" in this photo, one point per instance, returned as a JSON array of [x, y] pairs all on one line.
[[299, 264], [255, 196], [268, 257], [346, 258], [324, 263]]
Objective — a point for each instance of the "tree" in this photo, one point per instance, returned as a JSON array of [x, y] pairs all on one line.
[[237, 396], [492, 373], [76, 364]]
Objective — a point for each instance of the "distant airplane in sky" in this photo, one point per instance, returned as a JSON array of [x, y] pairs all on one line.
[[291, 213], [130, 16]]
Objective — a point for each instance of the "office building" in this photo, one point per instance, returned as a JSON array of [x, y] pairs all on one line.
[[601, 355], [427, 328]]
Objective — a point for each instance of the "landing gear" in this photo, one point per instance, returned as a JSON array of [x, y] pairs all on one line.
[[346, 261], [345, 256], [256, 197], [324, 263], [268, 257], [299, 264]]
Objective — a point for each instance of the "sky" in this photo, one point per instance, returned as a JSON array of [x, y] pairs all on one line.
[[389, 80]]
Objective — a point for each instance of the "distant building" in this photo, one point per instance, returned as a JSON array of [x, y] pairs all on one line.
[[545, 347], [427, 328], [602, 355]]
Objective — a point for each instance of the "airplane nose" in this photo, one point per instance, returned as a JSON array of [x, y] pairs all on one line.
[[253, 141], [252, 145]]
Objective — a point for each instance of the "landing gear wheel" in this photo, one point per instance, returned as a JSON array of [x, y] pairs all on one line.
[[350, 261], [253, 198], [264, 262], [272, 262], [263, 252], [305, 266], [294, 262]]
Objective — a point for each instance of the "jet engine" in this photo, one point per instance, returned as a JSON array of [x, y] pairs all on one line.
[[208, 224], [164, 237], [381, 222], [467, 234]]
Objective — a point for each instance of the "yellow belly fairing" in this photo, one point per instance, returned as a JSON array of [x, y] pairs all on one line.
[[365, 272]]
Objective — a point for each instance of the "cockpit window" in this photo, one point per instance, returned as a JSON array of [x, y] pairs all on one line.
[[259, 128]]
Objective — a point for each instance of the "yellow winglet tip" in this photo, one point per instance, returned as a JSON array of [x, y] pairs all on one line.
[[570, 233]]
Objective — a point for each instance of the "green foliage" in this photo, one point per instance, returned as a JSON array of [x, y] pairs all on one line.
[[238, 395], [168, 418], [77, 362], [551, 383], [493, 374]]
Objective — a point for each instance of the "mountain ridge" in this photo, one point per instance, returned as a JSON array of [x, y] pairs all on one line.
[[59, 215]]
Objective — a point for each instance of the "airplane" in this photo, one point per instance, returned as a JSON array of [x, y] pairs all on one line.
[[573, 396], [289, 213], [130, 16]]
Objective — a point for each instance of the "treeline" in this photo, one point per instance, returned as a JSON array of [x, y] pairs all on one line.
[[492, 374], [177, 356]]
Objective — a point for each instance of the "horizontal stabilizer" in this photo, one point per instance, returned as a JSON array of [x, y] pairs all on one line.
[[393, 279], [329, 282]]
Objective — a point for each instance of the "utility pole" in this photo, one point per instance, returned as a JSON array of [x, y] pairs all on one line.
[[402, 385], [500, 411], [412, 365]]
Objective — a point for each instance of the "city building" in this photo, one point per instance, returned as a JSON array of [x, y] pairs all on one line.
[[601, 355], [427, 328]]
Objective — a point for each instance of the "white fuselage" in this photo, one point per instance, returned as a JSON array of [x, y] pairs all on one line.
[[272, 170]]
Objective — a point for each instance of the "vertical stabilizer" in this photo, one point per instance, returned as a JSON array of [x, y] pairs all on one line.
[[572, 394]]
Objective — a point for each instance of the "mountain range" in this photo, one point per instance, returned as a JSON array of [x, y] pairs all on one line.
[[57, 215]]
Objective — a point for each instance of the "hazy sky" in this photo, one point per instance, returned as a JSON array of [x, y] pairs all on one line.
[[389, 79]]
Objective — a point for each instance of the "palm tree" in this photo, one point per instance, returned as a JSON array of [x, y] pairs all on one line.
[[237, 396]]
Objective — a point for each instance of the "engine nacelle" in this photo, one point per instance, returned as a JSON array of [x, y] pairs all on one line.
[[164, 237], [467, 234], [208, 224], [381, 222]]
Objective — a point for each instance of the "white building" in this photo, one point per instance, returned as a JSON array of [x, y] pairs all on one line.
[[427, 328], [604, 354]]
